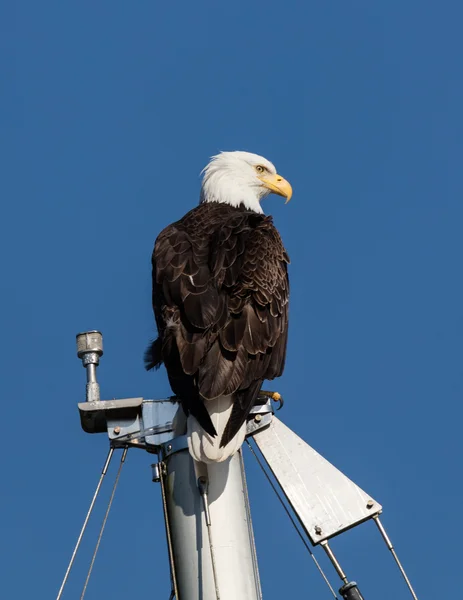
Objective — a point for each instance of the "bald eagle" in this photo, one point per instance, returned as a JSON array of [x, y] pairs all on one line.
[[220, 300]]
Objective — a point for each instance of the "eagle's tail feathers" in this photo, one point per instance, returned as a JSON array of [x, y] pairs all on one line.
[[244, 401], [203, 446], [153, 355], [199, 413]]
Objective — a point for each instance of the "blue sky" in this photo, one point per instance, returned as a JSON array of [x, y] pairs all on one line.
[[109, 110]]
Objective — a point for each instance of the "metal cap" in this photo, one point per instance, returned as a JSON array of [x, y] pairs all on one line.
[[89, 341], [156, 473]]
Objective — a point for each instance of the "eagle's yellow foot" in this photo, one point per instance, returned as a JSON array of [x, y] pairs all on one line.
[[277, 397]]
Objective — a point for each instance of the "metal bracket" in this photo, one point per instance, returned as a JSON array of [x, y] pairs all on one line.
[[94, 415], [145, 424], [174, 445], [262, 409], [148, 424], [325, 501], [260, 417]]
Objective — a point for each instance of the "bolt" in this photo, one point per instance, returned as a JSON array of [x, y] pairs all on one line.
[[169, 448], [318, 530], [258, 418], [370, 504], [117, 430]]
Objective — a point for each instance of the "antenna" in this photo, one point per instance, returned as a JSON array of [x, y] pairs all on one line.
[[90, 349]]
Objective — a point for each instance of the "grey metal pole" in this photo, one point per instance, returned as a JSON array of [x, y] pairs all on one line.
[[394, 554], [216, 561]]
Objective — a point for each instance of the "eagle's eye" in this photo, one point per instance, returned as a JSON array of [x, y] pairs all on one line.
[[260, 169]]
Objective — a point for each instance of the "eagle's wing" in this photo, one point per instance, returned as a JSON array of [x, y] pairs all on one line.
[[257, 286], [220, 295]]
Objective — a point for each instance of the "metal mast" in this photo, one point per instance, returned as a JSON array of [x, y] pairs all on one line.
[[212, 545], [209, 532]]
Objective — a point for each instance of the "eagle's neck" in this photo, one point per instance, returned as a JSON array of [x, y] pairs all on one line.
[[232, 193]]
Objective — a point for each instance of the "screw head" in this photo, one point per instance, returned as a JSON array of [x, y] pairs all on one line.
[[117, 430], [169, 448], [258, 418], [318, 530], [370, 504]]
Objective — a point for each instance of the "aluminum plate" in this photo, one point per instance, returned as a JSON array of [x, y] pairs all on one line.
[[324, 499]]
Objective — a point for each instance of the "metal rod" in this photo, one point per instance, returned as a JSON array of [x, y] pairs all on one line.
[[203, 485], [103, 525], [173, 576], [394, 554], [91, 373], [334, 561], [293, 521], [250, 528], [84, 526], [214, 566]]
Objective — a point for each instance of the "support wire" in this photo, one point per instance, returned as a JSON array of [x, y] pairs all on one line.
[[203, 485], [304, 541], [394, 554], [103, 524], [84, 526], [173, 575], [250, 528]]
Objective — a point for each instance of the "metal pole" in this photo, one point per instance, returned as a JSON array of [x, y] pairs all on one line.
[[226, 500], [349, 591], [334, 561], [394, 554], [158, 475]]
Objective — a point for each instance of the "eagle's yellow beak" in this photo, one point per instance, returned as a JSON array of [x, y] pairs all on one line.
[[278, 185]]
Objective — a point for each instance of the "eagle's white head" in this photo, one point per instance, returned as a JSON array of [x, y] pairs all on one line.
[[237, 178]]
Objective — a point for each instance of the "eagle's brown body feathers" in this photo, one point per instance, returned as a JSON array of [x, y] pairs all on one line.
[[220, 298]]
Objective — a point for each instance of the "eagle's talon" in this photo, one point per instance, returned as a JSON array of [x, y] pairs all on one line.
[[276, 397]]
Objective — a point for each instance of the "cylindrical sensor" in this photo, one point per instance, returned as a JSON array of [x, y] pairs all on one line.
[[89, 350], [156, 473], [89, 341]]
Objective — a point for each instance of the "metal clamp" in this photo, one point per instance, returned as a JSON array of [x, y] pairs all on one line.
[[260, 416], [176, 444]]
